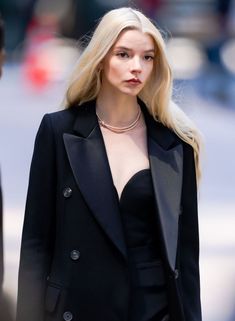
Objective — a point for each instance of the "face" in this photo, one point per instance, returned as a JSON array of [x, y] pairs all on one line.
[[129, 63]]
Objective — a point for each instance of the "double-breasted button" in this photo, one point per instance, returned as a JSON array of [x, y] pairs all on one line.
[[75, 255], [67, 316], [176, 274], [67, 192]]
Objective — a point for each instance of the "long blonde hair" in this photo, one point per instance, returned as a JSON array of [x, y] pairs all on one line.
[[86, 80]]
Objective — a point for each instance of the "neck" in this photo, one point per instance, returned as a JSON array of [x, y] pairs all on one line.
[[117, 110]]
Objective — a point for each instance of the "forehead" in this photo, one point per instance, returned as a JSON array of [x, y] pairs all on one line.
[[134, 39]]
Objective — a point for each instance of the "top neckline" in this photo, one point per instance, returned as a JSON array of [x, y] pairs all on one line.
[[133, 177]]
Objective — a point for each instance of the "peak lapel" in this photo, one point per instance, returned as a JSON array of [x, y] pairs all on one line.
[[166, 168], [89, 163], [166, 162]]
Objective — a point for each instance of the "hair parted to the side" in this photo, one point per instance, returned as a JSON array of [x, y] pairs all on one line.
[[86, 79]]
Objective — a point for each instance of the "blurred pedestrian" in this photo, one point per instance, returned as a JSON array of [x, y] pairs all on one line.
[[1, 242], [5, 304], [1, 221], [1, 234], [17, 16], [111, 224]]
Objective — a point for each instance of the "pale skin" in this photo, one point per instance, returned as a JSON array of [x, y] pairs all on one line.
[[125, 71]]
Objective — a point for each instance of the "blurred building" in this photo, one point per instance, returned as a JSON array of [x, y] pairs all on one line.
[[200, 35]]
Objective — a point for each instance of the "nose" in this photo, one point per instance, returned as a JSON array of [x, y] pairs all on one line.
[[136, 66]]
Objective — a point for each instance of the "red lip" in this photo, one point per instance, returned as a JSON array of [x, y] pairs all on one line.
[[134, 80]]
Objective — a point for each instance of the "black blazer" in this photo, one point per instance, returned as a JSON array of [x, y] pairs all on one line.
[[73, 257]]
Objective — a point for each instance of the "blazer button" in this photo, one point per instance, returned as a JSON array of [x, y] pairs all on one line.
[[67, 316], [176, 274], [75, 255], [67, 192]]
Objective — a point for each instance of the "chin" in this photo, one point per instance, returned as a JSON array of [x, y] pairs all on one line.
[[131, 92]]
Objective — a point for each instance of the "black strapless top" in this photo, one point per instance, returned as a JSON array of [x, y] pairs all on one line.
[[137, 208]]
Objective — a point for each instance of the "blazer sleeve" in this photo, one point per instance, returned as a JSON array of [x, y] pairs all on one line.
[[37, 237], [189, 240]]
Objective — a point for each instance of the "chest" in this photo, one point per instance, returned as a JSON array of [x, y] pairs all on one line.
[[127, 154]]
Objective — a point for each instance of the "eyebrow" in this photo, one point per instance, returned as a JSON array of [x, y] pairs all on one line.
[[129, 49]]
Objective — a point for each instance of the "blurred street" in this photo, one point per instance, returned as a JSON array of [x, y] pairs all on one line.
[[21, 112], [42, 46]]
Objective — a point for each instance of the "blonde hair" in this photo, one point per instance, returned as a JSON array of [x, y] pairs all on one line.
[[86, 81]]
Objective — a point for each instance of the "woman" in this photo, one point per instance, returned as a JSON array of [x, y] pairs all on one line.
[[111, 227]]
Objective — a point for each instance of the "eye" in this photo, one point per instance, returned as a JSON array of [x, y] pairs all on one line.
[[148, 58], [123, 54]]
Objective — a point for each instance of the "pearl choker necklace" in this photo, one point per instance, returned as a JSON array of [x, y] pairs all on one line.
[[120, 129]]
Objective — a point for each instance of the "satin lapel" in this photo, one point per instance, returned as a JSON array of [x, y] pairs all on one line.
[[166, 162], [166, 168], [89, 163]]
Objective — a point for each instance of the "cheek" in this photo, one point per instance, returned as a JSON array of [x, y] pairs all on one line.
[[114, 70]]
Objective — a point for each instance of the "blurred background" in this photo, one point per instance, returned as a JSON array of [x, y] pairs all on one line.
[[43, 41]]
